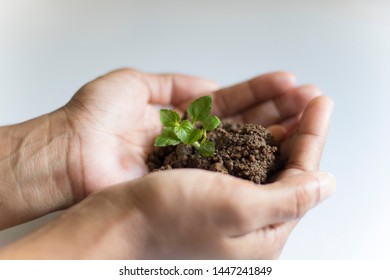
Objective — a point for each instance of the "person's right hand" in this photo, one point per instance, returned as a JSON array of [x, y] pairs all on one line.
[[179, 214]]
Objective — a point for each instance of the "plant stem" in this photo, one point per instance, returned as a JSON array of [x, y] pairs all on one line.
[[196, 144]]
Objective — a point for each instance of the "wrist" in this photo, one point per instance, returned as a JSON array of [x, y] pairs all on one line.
[[35, 165]]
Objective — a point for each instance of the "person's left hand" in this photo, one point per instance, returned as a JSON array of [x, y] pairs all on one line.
[[115, 118], [179, 214]]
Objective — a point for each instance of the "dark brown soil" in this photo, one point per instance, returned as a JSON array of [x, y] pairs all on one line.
[[243, 150]]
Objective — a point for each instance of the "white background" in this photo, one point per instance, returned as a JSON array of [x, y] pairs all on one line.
[[48, 49]]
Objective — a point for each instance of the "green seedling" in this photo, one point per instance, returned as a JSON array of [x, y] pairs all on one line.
[[178, 131]]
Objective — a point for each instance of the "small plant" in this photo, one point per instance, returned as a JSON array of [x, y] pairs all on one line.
[[178, 131]]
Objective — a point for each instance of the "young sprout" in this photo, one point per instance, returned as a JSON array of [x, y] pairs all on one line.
[[178, 131]]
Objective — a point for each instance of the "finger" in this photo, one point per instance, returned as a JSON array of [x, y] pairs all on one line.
[[253, 208], [291, 124], [265, 243], [291, 197], [179, 90], [165, 89], [232, 100], [281, 108], [278, 132], [308, 143]]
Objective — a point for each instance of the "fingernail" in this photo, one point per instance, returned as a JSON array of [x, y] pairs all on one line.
[[327, 185]]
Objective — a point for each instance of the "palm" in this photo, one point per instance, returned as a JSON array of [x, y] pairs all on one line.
[[113, 154], [115, 133], [116, 121]]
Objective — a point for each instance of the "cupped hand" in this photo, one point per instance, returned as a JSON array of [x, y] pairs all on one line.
[[115, 118], [194, 214], [179, 214]]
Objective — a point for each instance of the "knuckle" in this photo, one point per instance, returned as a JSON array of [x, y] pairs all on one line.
[[229, 215], [220, 105], [302, 200]]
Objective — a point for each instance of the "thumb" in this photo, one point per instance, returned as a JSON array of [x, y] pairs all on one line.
[[180, 89], [166, 89], [248, 207], [291, 197]]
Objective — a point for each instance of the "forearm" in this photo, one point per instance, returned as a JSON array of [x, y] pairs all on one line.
[[106, 225], [36, 158]]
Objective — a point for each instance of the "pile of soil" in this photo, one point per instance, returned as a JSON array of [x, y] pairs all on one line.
[[246, 151]]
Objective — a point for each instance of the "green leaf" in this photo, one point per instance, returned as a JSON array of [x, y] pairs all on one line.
[[207, 149], [167, 138], [169, 117], [183, 131], [200, 109], [195, 135], [177, 131], [211, 123]]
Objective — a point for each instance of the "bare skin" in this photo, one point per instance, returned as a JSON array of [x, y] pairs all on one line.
[[86, 147]]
